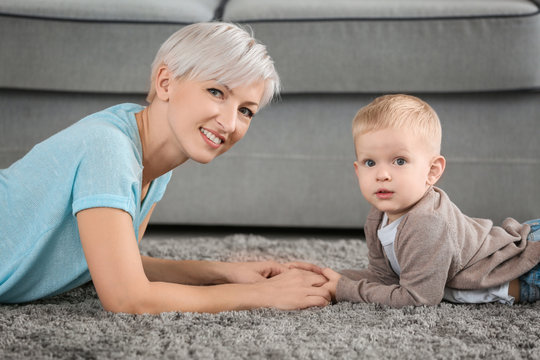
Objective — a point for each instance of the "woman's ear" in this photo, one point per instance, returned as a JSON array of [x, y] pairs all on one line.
[[436, 170], [163, 81]]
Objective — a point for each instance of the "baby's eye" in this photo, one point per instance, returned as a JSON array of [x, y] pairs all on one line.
[[215, 92], [246, 112], [400, 161], [369, 163]]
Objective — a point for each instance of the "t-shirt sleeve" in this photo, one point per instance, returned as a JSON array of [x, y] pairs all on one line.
[[109, 172]]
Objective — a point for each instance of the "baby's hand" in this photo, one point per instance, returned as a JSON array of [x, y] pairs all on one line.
[[333, 278]]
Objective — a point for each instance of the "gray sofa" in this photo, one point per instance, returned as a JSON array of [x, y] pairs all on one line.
[[477, 62]]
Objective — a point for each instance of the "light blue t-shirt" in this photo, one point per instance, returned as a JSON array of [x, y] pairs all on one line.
[[96, 162]]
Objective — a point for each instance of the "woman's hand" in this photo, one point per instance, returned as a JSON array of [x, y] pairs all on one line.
[[304, 266], [250, 272], [294, 289]]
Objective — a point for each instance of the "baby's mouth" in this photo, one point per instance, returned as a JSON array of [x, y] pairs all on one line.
[[384, 193]]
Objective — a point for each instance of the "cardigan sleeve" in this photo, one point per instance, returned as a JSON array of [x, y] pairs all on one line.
[[425, 253], [378, 270]]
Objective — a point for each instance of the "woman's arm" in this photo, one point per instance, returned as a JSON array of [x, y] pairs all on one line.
[[144, 224], [118, 274], [191, 272]]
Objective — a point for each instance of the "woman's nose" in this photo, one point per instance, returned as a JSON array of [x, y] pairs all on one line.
[[227, 120]]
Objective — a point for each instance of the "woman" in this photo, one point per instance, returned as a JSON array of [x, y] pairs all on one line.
[[76, 206]]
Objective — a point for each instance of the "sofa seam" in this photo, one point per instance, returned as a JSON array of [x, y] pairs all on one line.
[[220, 10], [389, 19], [97, 21], [534, 89]]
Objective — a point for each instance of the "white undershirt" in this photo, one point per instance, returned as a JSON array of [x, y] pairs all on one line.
[[387, 236]]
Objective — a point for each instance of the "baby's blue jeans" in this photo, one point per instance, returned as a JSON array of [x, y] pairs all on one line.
[[530, 281]]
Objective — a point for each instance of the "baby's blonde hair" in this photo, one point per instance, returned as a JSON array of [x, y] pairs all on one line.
[[399, 111]]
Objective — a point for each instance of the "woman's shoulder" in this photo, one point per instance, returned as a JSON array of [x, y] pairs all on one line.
[[120, 111], [113, 121], [107, 131]]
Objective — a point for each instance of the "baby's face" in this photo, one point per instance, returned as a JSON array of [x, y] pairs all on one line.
[[393, 167]]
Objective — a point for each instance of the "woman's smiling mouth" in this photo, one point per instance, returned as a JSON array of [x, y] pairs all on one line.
[[213, 138]]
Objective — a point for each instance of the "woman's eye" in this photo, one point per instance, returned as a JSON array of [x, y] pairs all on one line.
[[369, 163], [246, 112], [400, 161], [215, 92]]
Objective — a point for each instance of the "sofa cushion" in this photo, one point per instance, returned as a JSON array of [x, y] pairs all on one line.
[[89, 46], [397, 45], [174, 11]]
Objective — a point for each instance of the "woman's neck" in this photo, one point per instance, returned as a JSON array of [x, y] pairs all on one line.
[[157, 159]]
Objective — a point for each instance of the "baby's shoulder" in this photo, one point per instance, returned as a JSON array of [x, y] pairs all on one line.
[[428, 220], [434, 208], [423, 222]]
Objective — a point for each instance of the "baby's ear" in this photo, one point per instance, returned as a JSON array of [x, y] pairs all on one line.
[[436, 170], [356, 166]]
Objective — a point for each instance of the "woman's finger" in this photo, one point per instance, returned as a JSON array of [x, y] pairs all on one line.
[[316, 279], [304, 266], [320, 301], [322, 292]]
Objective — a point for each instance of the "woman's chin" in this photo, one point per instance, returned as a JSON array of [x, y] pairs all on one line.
[[203, 159]]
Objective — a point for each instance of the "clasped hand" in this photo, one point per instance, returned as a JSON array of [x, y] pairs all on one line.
[[288, 286]]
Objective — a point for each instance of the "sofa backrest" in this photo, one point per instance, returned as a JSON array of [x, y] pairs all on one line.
[[319, 46]]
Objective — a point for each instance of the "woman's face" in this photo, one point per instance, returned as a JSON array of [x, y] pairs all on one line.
[[207, 118]]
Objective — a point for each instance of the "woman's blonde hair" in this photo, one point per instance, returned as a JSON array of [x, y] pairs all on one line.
[[399, 111], [217, 51]]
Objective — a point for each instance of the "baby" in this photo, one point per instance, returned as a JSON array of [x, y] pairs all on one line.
[[422, 249]]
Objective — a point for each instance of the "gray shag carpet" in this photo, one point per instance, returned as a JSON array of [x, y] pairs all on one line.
[[74, 326]]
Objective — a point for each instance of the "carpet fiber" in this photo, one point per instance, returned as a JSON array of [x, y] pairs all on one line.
[[74, 325]]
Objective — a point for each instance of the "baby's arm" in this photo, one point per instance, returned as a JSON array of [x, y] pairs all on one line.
[[355, 275], [376, 272], [425, 259]]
